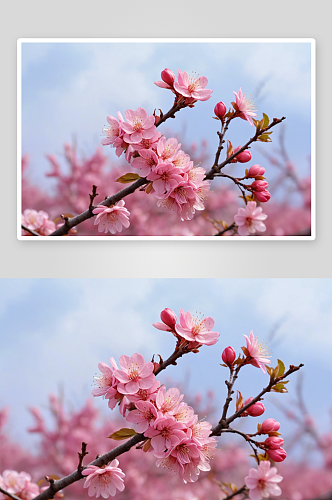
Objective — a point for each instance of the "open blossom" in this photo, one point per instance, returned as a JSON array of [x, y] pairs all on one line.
[[190, 86], [168, 401], [145, 413], [111, 219], [245, 106], [262, 482], [19, 484], [165, 177], [111, 132], [146, 162], [38, 222], [166, 433], [106, 380], [195, 329], [140, 126], [258, 353], [249, 219], [135, 374], [104, 481]]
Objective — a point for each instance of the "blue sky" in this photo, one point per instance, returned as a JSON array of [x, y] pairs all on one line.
[[70, 88], [55, 331]]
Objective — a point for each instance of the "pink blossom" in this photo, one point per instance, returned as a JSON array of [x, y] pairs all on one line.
[[269, 425], [220, 110], [190, 86], [245, 106], [195, 329], [167, 149], [242, 157], [262, 196], [262, 481], [168, 318], [145, 394], [168, 78], [255, 170], [201, 431], [185, 414], [254, 410], [166, 433], [273, 443], [165, 177], [106, 380], [143, 415], [277, 455], [112, 132], [112, 219], [168, 401], [140, 126], [38, 222], [249, 219], [258, 354], [228, 356], [19, 484], [104, 481], [147, 161], [135, 374], [259, 185]]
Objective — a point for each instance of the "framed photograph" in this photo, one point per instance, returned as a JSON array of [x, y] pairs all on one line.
[[166, 139]]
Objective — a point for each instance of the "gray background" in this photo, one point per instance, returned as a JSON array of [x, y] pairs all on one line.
[[170, 18]]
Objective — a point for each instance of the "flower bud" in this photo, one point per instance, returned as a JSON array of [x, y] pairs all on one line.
[[278, 455], [168, 317], [269, 425], [256, 409], [262, 196], [273, 442], [228, 356], [242, 157], [168, 76], [255, 170], [259, 185], [220, 110]]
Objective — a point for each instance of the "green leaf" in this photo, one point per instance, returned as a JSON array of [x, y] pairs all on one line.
[[123, 434], [269, 370], [129, 177], [279, 388], [264, 138], [281, 368], [266, 120]]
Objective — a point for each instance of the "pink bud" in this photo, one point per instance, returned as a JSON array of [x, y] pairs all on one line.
[[262, 196], [255, 170], [273, 442], [220, 110], [242, 157], [269, 425], [259, 185], [278, 455], [168, 317], [228, 356], [256, 409], [168, 76]]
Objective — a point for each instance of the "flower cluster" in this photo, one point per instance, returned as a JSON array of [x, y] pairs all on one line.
[[38, 222], [188, 88], [178, 186], [174, 435], [191, 330], [18, 484]]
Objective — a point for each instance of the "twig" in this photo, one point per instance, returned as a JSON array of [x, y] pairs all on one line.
[[238, 492], [14, 497], [228, 228], [29, 230], [81, 456], [92, 197]]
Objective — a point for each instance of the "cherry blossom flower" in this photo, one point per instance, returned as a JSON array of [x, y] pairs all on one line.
[[262, 196], [228, 356], [165, 177], [145, 394], [254, 410], [140, 126], [195, 329], [104, 481], [19, 484], [146, 162], [168, 78], [112, 132], [105, 381], [167, 149], [38, 222], [166, 433], [258, 353], [262, 482], [249, 219], [112, 219], [245, 106], [143, 415], [269, 425], [135, 374], [255, 170], [190, 86], [168, 318], [167, 401]]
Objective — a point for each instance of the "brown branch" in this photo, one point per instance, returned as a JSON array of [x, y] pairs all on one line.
[[214, 170], [228, 228], [224, 424], [238, 492], [81, 456], [92, 197], [14, 497], [29, 230]]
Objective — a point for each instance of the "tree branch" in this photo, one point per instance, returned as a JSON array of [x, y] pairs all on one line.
[[29, 230], [14, 497]]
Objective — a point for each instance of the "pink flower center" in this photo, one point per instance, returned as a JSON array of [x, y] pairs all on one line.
[[249, 222], [133, 373], [165, 432], [103, 380], [112, 216]]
